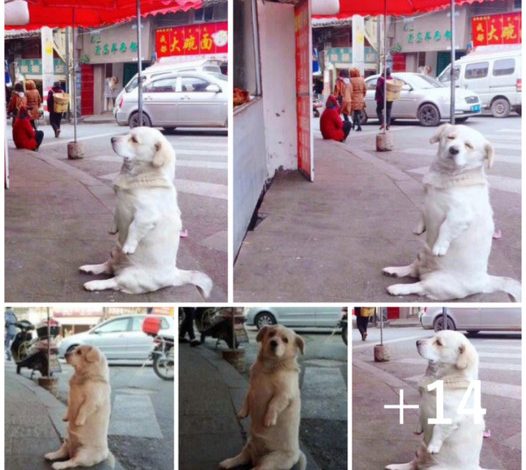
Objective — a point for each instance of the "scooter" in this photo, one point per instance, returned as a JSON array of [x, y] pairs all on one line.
[[222, 324], [39, 354], [162, 354]]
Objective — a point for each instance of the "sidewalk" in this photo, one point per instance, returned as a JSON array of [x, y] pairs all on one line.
[[328, 241], [211, 392], [56, 219], [378, 438], [33, 424]]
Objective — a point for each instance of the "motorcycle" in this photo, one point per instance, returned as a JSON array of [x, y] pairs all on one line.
[[39, 354], [223, 324], [163, 354]]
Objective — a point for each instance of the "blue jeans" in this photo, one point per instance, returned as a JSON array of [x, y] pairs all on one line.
[[7, 344]]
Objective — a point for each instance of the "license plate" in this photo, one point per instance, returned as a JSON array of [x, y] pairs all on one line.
[[475, 108], [54, 365]]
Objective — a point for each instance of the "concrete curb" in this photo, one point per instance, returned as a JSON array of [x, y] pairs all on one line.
[[237, 386], [56, 411]]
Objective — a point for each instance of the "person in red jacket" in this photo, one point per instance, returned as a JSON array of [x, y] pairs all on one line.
[[24, 134], [331, 125]]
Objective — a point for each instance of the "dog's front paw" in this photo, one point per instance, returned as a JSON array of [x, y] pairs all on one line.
[[129, 248], [270, 420], [61, 465], [433, 448], [440, 248], [50, 456], [227, 463], [242, 414]]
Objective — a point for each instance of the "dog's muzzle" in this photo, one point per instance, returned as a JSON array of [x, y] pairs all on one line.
[[273, 344], [454, 150]]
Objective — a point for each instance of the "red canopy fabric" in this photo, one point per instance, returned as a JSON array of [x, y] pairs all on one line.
[[93, 13], [394, 7]]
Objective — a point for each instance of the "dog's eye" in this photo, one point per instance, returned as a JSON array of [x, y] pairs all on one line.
[[469, 146], [285, 340], [134, 139], [78, 351], [272, 334], [451, 137], [438, 342]]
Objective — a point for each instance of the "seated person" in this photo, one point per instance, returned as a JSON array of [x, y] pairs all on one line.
[[331, 124], [24, 135]]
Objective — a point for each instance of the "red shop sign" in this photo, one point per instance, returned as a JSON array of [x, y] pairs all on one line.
[[496, 29], [209, 38]]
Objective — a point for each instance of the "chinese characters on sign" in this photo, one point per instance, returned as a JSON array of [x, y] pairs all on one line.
[[210, 38], [114, 48], [496, 29], [428, 36]]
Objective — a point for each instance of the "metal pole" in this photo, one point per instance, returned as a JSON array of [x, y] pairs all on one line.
[[48, 342], [381, 326], [139, 61], [452, 70], [385, 66], [74, 87], [444, 318]]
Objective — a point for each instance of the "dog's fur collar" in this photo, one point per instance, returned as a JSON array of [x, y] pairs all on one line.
[[144, 180], [271, 366], [443, 180], [79, 379]]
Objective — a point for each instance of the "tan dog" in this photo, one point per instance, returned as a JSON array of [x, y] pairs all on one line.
[[273, 403], [452, 359], [88, 413]]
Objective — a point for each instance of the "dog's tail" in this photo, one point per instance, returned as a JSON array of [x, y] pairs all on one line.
[[302, 462], [512, 287], [197, 278]]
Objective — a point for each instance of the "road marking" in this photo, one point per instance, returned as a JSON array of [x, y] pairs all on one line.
[[398, 340], [514, 158], [323, 394], [199, 188], [179, 151], [134, 416], [482, 365], [202, 164]]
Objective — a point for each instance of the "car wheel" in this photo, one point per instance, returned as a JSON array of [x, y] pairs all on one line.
[[500, 108], [473, 332], [134, 120], [464, 119], [428, 115], [438, 324], [263, 319]]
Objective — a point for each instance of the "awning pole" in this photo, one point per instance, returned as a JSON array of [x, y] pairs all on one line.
[[139, 60], [74, 90], [385, 66], [452, 68]]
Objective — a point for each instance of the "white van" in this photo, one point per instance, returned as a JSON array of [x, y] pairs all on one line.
[[494, 74]]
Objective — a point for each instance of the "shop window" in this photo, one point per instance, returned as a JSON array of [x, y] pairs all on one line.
[[247, 74], [503, 67], [478, 70]]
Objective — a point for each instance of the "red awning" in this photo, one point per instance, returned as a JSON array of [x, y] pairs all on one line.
[[394, 7], [92, 13]]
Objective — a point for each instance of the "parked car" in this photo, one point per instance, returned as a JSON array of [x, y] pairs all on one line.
[[472, 320], [423, 98], [494, 74], [119, 338], [294, 317], [187, 99]]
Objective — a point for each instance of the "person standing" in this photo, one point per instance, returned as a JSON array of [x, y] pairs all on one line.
[[187, 326], [359, 90], [16, 101], [54, 117], [34, 100], [363, 314], [343, 93], [10, 330], [379, 97], [331, 125], [25, 135]]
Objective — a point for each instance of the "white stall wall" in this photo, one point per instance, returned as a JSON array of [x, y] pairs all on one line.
[[278, 73]]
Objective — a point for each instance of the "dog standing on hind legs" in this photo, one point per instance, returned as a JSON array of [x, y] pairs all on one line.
[[457, 219], [273, 403]]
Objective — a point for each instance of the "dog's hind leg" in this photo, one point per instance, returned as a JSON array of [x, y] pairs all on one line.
[[58, 454], [103, 268], [411, 270], [82, 458], [407, 289], [242, 458], [102, 284]]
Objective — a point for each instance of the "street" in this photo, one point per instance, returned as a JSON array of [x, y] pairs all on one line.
[[72, 223], [141, 416], [324, 385], [379, 440]]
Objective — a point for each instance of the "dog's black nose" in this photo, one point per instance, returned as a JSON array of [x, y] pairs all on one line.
[[113, 140], [419, 342], [453, 150], [273, 344]]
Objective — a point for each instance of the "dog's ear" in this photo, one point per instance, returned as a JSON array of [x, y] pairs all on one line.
[[160, 154], [466, 356], [439, 133], [490, 154], [300, 343], [262, 332], [92, 355]]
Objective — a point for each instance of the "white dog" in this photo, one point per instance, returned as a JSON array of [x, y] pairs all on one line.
[[458, 221], [273, 403], [88, 413], [456, 446], [147, 220]]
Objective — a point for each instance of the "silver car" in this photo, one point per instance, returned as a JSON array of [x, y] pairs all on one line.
[[294, 317], [425, 99], [472, 320], [119, 338], [185, 99]]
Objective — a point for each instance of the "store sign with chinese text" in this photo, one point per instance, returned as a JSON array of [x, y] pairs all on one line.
[[34, 66], [197, 39], [419, 37], [303, 35], [115, 48], [496, 29]]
